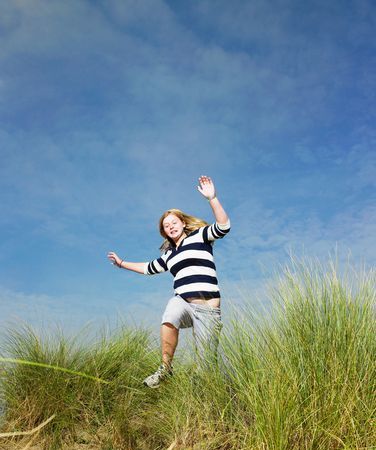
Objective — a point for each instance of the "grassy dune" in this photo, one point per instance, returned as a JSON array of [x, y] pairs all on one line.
[[302, 376]]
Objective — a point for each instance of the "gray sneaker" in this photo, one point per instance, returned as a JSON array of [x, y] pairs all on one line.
[[154, 380]]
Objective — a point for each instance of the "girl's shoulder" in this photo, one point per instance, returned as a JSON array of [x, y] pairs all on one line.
[[198, 235], [196, 231]]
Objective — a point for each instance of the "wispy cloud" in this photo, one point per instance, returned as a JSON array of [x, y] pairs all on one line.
[[72, 313], [348, 231]]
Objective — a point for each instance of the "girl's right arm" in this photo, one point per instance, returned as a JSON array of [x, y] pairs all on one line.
[[135, 267]]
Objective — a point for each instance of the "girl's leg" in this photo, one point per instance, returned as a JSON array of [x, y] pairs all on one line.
[[169, 342], [207, 325], [176, 316]]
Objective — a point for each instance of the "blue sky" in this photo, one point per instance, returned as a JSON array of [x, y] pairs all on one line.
[[111, 110]]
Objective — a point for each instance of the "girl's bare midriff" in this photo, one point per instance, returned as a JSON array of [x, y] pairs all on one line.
[[213, 302]]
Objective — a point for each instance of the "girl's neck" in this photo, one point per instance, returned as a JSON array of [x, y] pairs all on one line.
[[180, 240]]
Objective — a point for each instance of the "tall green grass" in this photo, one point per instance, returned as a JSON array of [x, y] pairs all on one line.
[[307, 373], [302, 376]]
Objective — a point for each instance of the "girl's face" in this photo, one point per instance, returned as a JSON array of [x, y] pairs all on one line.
[[173, 227]]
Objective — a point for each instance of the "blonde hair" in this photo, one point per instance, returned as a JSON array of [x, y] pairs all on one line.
[[191, 224]]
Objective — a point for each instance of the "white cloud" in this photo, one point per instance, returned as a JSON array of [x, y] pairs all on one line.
[[262, 238], [74, 312]]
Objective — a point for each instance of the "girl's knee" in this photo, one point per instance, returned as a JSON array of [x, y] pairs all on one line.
[[169, 325]]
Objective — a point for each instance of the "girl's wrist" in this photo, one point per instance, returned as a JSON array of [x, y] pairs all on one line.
[[209, 199], [120, 264]]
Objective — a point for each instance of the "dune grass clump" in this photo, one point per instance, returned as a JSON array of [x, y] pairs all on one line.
[[305, 374], [85, 399], [301, 376]]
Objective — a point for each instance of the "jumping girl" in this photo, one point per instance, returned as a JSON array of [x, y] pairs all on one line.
[[187, 252]]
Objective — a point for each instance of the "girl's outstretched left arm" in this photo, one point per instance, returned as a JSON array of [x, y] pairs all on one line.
[[207, 189]]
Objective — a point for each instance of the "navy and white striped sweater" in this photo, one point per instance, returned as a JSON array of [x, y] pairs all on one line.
[[192, 264]]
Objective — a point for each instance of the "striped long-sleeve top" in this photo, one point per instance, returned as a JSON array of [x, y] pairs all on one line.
[[192, 264]]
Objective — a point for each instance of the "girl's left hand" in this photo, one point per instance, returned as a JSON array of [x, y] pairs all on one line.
[[206, 187]]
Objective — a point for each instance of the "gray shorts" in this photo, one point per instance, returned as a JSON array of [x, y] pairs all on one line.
[[204, 319]]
